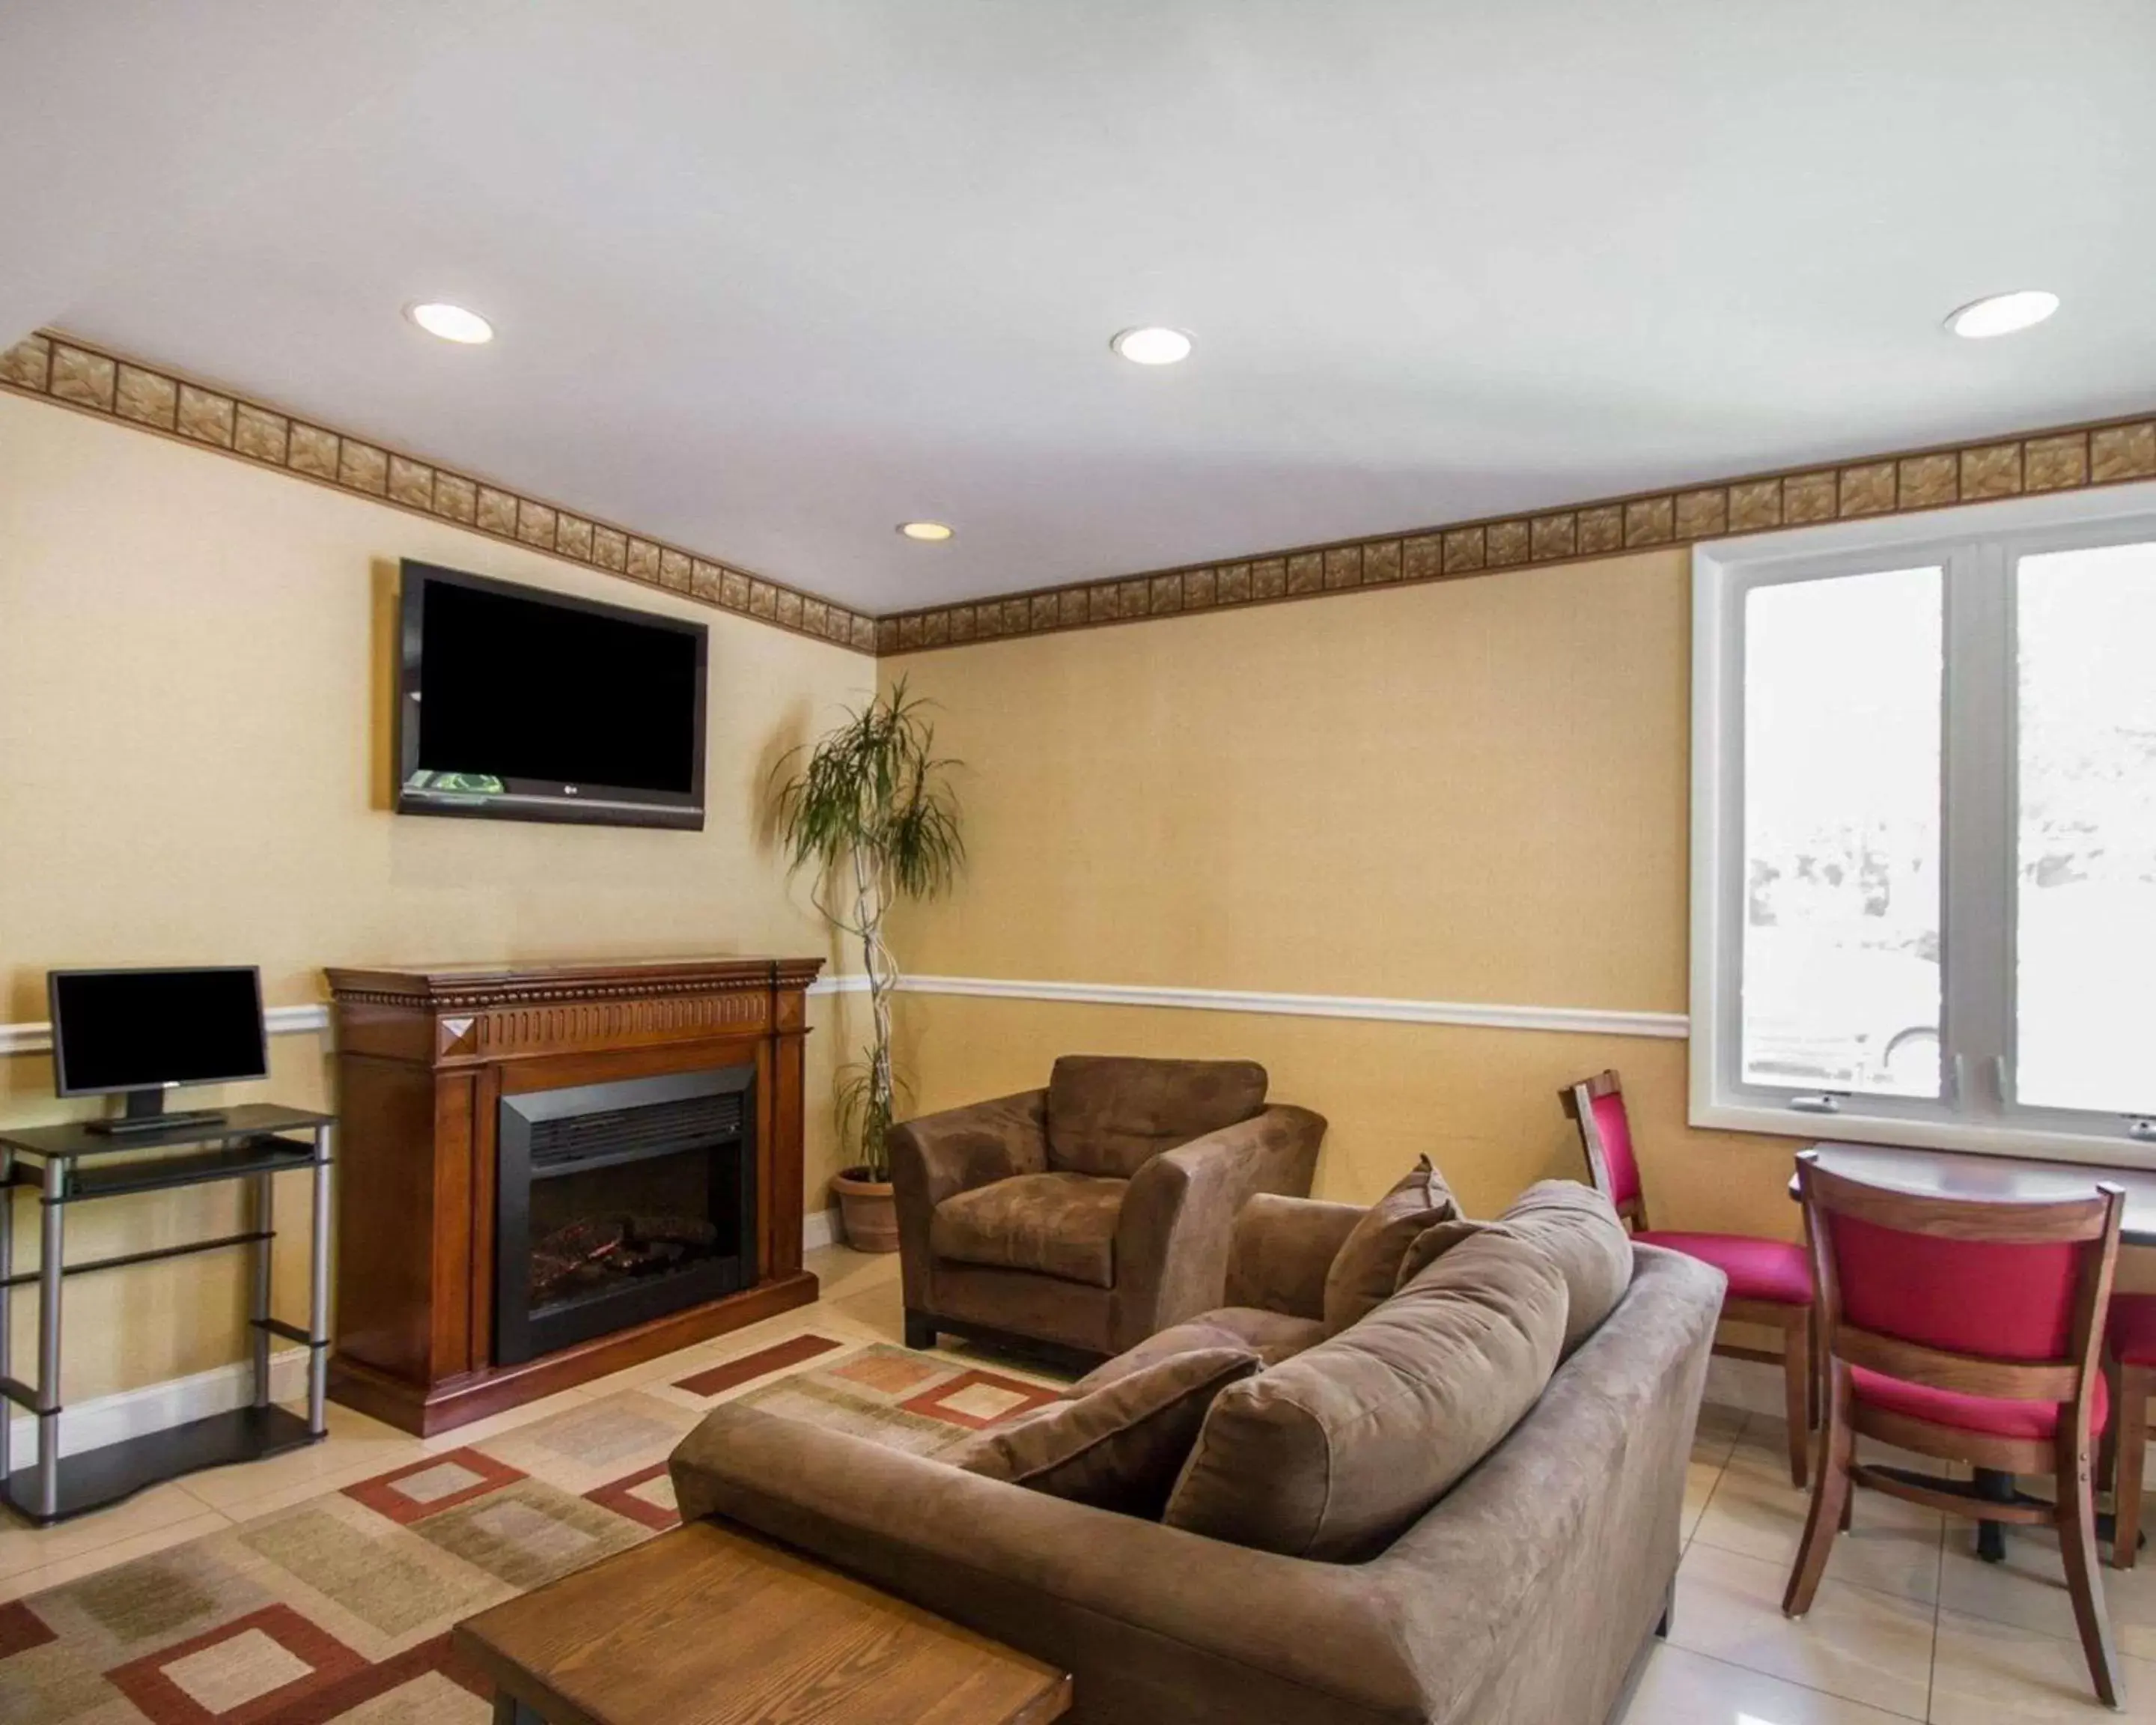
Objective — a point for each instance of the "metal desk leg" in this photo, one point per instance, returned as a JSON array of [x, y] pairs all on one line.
[[54, 1217], [262, 1218], [7, 1304], [318, 1295]]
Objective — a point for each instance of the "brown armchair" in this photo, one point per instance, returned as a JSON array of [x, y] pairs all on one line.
[[1093, 1213]]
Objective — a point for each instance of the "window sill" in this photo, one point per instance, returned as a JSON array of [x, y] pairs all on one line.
[[2090, 1149]]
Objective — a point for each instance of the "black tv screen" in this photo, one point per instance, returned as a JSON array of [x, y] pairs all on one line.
[[145, 1030], [528, 705]]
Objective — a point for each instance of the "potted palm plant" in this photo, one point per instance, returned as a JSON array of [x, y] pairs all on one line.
[[871, 813]]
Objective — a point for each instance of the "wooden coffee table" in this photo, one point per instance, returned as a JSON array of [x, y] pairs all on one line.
[[708, 1625]]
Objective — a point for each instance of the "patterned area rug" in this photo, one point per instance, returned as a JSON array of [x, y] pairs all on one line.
[[340, 1608]]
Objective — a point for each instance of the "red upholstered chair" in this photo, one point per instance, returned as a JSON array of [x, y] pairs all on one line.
[[1967, 1330], [2131, 1336], [1770, 1282]]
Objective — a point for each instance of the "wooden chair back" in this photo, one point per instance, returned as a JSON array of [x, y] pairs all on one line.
[[1596, 1106], [1999, 1298]]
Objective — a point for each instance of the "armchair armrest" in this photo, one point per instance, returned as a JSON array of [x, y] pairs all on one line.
[[1282, 1249], [939, 1155], [1144, 1615], [1172, 1238]]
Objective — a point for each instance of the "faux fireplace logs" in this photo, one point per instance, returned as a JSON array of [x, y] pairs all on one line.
[[593, 1256], [548, 1173]]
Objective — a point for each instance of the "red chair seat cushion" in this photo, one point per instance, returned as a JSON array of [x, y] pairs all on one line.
[[1757, 1269], [2035, 1420], [2131, 1329]]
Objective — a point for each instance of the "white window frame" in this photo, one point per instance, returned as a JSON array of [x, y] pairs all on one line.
[[1977, 546]]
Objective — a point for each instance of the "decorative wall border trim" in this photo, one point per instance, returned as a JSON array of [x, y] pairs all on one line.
[[2069, 458], [1576, 1020], [73, 373]]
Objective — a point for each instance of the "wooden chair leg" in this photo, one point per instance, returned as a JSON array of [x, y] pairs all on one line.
[[2078, 1548], [1812, 1387], [2126, 1441], [2107, 1454], [1830, 1490], [1796, 1389]]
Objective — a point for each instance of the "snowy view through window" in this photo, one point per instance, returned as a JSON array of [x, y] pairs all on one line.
[[2086, 867], [1842, 834]]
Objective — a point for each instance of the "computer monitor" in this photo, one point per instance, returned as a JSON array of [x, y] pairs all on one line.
[[139, 1033]]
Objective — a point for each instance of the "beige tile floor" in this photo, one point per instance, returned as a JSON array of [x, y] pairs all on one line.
[[1908, 1624]]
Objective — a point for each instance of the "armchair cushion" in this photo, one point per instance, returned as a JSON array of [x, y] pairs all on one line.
[[1118, 1447], [1110, 1114], [1272, 1336], [1059, 1225], [938, 1155], [1368, 1266]]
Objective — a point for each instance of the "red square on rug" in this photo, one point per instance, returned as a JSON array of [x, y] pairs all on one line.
[[428, 1488], [404, 1678], [883, 1372], [646, 1496], [733, 1373], [22, 1628], [240, 1673], [976, 1400]]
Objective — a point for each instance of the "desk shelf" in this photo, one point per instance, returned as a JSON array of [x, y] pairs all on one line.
[[59, 1166], [160, 1174], [91, 1479]]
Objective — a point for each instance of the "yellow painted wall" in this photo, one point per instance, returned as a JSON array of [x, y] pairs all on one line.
[[192, 723], [1474, 791]]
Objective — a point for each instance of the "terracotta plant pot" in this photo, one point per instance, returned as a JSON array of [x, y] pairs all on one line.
[[868, 1211]]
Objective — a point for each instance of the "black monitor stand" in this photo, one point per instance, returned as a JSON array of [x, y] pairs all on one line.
[[145, 1113]]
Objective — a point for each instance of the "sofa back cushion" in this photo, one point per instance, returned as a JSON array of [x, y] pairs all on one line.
[[1334, 1453], [1579, 1230], [1117, 1447], [1111, 1114], [1366, 1268]]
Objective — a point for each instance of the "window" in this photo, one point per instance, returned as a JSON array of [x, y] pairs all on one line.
[[1924, 828]]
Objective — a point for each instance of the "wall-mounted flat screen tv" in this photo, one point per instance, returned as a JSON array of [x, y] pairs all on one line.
[[522, 705]]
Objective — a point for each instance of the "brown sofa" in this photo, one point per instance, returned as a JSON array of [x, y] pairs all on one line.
[[1094, 1212], [1524, 1595]]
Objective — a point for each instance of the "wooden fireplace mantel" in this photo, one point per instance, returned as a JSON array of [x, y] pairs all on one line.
[[424, 1057]]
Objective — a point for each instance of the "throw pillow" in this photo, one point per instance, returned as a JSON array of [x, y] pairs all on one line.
[[1119, 1447], [1574, 1226], [1366, 1268], [1333, 1454]]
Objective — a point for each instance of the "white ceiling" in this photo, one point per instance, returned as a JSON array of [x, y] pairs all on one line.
[[773, 277]]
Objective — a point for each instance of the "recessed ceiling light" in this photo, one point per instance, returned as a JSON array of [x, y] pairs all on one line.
[[930, 532], [452, 323], [1153, 346], [2002, 314]]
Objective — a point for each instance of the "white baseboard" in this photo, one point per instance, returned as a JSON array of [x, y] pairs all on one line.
[[131, 1413]]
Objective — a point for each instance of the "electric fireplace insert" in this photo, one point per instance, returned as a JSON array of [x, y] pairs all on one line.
[[618, 1203]]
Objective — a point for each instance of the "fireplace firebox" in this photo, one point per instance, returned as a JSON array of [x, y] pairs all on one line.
[[619, 1202]]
